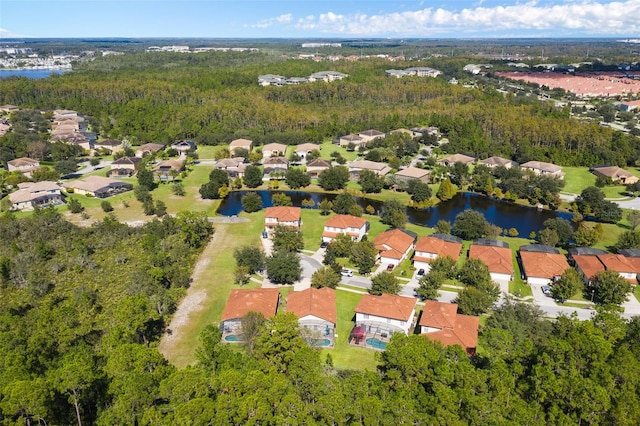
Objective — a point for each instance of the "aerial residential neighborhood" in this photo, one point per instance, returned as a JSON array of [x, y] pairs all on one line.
[[381, 231]]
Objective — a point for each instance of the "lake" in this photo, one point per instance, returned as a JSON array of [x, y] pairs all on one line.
[[500, 213], [30, 73]]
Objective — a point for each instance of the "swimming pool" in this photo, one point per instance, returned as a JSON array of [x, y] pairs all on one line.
[[322, 343], [376, 343], [233, 338]]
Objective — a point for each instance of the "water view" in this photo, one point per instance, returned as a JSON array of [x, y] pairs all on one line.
[[38, 73], [503, 214]]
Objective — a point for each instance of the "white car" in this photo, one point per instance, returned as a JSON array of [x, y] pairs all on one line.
[[546, 290], [346, 273]]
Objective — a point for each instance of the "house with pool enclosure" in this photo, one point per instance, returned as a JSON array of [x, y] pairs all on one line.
[[240, 303]]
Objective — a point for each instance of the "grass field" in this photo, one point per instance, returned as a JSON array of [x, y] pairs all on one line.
[[346, 356], [578, 178], [214, 281]]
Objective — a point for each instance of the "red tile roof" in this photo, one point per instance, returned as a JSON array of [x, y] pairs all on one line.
[[589, 265], [438, 247], [543, 265], [455, 329], [344, 221], [393, 244], [283, 213], [617, 262], [320, 303], [438, 314], [387, 306], [498, 259], [240, 302]]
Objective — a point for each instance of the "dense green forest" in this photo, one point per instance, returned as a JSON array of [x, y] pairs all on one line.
[[213, 98], [83, 308]]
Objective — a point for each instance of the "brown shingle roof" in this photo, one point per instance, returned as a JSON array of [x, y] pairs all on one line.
[[541, 165], [320, 303], [240, 302], [438, 247], [458, 158], [393, 243], [497, 161], [240, 143], [319, 162], [543, 265], [150, 147], [274, 147], [283, 213], [498, 259], [22, 162], [307, 147], [387, 306], [412, 173]]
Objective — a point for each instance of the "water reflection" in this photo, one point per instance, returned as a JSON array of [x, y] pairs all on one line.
[[503, 214]]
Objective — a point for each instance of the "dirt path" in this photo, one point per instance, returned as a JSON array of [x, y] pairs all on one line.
[[172, 345]]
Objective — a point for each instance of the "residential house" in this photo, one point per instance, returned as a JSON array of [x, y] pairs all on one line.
[[275, 165], [304, 149], [184, 146], [426, 131], [386, 314], [423, 71], [271, 80], [316, 311], [494, 162], [8, 109], [283, 216], [317, 166], [356, 167], [541, 265], [237, 144], [240, 302], [496, 255], [355, 227], [98, 186], [35, 194], [433, 246], [441, 322], [371, 134], [456, 158], [148, 149], [629, 105], [234, 167], [403, 176], [542, 168], [628, 268], [274, 150], [356, 140], [24, 165], [616, 174], [168, 170], [588, 266], [110, 145], [394, 246], [73, 138], [327, 76], [125, 167], [402, 132]]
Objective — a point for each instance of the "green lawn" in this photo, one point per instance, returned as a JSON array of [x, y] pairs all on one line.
[[344, 355], [312, 227], [326, 148], [577, 178], [215, 281]]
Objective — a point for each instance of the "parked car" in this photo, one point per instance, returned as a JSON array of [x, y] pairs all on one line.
[[546, 290], [390, 267], [420, 272], [346, 273], [324, 244]]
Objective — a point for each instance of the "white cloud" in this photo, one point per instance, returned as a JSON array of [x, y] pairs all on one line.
[[584, 17], [278, 20], [8, 34]]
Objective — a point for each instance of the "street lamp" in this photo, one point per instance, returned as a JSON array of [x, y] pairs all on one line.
[[592, 293]]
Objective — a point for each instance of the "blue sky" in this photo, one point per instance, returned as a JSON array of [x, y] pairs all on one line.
[[319, 18]]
